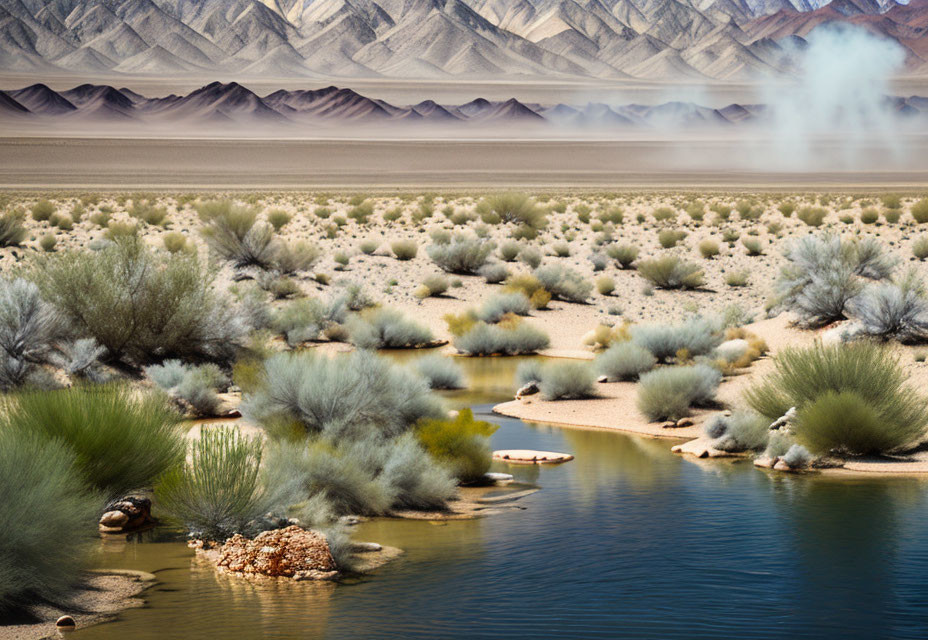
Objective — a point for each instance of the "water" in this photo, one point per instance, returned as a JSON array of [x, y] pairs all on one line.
[[626, 541]]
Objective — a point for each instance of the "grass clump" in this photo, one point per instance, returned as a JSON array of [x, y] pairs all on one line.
[[217, 492], [462, 255], [497, 307], [461, 443], [920, 247], [564, 283], [139, 305], [919, 211], [278, 218], [121, 440], [709, 248], [605, 285], [12, 231], [669, 238], [440, 372], [433, 285], [624, 361], [514, 208], [43, 210], [623, 254], [669, 393], [850, 398], [567, 381], [404, 249], [741, 431], [381, 328], [696, 337], [506, 339], [48, 523], [671, 272], [813, 217]]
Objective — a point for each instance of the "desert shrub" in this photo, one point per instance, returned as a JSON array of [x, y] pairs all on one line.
[[12, 231], [196, 385], [327, 394], [869, 216], [369, 246], [147, 212], [920, 211], [278, 218], [529, 371], [293, 257], [567, 381], [382, 328], [514, 208], [605, 285], [893, 310], [624, 361], [920, 247], [696, 210], [509, 251], [48, 523], [823, 274], [433, 285], [812, 216], [668, 393], [561, 249], [664, 214], [737, 278], [461, 255], [709, 248], [623, 254], [30, 331], [671, 272], [440, 372], [892, 201], [43, 210], [304, 320], [753, 246], [141, 305], [730, 236], [851, 398], [530, 256], [496, 307], [797, 457], [484, 339], [695, 337], [612, 215], [392, 215], [494, 272], [892, 215], [669, 238], [787, 208], [461, 443], [174, 241], [235, 235], [48, 242], [741, 431], [216, 493], [599, 262], [121, 440], [564, 283], [404, 249]]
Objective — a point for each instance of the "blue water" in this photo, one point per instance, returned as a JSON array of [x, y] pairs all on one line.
[[626, 541]]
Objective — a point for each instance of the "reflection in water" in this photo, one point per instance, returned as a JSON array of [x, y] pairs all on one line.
[[626, 541]]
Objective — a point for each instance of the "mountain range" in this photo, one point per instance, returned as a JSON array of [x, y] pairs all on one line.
[[612, 39], [219, 105]]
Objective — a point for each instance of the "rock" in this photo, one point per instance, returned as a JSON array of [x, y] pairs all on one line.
[[700, 448], [114, 519], [602, 379], [498, 478], [784, 420], [670, 424], [135, 513], [782, 466], [765, 462], [291, 552], [65, 623], [366, 547], [528, 389], [527, 456], [684, 422]]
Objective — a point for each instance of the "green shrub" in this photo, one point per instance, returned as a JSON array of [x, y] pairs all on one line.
[[530, 256], [787, 208], [278, 218], [43, 210], [861, 378], [668, 238], [920, 247], [664, 214], [12, 231], [811, 216], [920, 211], [369, 246], [753, 246], [484, 340], [140, 305], [440, 372], [513, 208], [668, 393], [433, 285], [462, 255], [121, 440], [671, 272], [623, 254], [174, 242], [460, 443], [737, 278], [382, 328], [362, 212], [48, 242], [567, 381], [404, 249], [709, 248], [624, 361], [322, 394], [605, 285], [564, 283], [148, 213], [48, 523], [741, 431], [216, 493], [509, 251], [869, 216]]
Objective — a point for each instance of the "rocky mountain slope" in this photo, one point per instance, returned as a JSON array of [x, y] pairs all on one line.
[[229, 106], [654, 39]]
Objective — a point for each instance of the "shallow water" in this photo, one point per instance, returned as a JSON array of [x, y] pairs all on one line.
[[627, 541]]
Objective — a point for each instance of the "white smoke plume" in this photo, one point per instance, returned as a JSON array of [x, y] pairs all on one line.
[[837, 112]]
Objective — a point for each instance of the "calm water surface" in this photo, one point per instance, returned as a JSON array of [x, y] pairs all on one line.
[[627, 541]]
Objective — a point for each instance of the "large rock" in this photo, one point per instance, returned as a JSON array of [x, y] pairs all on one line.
[[528, 389], [291, 552], [126, 514]]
